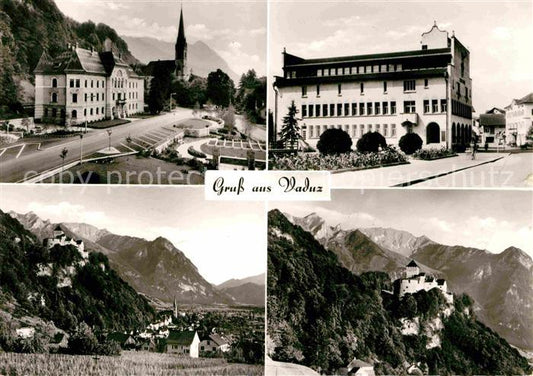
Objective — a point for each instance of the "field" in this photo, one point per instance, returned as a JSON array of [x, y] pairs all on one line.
[[129, 363]]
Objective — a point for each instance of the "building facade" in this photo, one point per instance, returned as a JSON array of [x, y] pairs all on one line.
[[428, 92], [492, 127], [82, 86], [518, 120]]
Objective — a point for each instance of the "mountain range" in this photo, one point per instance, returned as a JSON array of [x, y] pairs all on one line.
[[324, 316], [201, 58], [155, 268], [500, 284]]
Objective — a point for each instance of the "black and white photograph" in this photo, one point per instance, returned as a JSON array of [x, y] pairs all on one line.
[[403, 93], [131, 92], [398, 282], [130, 281]]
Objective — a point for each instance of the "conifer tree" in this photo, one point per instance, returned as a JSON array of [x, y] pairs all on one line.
[[290, 132]]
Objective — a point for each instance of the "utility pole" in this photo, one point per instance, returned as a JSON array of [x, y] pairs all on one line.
[[109, 134], [170, 102], [81, 149]]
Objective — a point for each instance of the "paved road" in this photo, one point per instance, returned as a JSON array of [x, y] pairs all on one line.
[[257, 133], [515, 170], [26, 165], [416, 170]]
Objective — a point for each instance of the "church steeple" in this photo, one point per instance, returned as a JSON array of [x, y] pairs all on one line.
[[181, 49]]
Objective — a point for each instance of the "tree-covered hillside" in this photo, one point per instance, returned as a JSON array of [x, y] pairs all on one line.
[[322, 316], [97, 295], [29, 27]]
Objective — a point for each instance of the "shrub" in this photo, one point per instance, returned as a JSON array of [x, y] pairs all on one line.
[[433, 153], [196, 153], [459, 148], [334, 141], [371, 142], [410, 142]]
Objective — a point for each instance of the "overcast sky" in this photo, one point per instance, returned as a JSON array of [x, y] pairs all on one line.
[[486, 219], [223, 240], [234, 29], [499, 36]]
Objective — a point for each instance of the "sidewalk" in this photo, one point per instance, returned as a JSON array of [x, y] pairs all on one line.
[[182, 149], [409, 174]]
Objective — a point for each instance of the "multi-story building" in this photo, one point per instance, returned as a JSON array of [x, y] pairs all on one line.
[[415, 281], [492, 127], [83, 85], [427, 91], [518, 120]]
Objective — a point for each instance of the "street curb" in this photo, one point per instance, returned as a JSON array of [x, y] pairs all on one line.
[[416, 181], [54, 171]]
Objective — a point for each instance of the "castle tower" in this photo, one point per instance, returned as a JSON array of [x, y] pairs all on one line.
[[58, 231], [412, 269], [181, 50]]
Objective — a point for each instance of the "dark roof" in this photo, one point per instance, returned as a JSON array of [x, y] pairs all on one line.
[[58, 228], [527, 99], [495, 110], [168, 65], [412, 264], [441, 281], [81, 60], [118, 337], [369, 57], [492, 119], [217, 339], [181, 338]]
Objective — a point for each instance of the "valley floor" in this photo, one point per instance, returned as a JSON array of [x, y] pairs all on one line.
[[128, 363]]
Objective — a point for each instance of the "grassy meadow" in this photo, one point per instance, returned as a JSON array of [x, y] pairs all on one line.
[[128, 363]]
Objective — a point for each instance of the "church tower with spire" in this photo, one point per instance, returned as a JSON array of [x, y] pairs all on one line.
[[181, 50]]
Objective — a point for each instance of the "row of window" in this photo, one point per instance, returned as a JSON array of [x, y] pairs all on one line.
[[408, 86], [354, 130], [91, 111], [117, 83], [349, 70], [76, 83], [97, 96], [433, 106], [369, 108]]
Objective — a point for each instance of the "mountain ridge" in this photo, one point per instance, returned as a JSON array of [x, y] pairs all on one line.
[[153, 268], [490, 278], [201, 58]]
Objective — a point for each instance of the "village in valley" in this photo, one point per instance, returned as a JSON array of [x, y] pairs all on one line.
[[71, 293]]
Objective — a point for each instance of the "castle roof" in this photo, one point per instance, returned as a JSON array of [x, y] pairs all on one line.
[[412, 264]]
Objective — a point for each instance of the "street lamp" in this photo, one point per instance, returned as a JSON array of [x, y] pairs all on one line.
[[170, 102], [109, 134], [81, 149]]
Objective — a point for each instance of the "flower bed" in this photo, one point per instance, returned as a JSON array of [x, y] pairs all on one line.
[[352, 160], [434, 153]]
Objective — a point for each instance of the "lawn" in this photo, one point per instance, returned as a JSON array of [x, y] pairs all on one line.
[[129, 170], [193, 123], [105, 123], [233, 152], [129, 363]]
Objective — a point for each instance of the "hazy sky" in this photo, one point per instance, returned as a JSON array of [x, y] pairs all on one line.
[[223, 239], [485, 219], [234, 29], [499, 36]]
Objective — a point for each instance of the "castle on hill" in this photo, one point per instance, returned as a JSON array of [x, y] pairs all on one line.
[[61, 239], [414, 281]]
